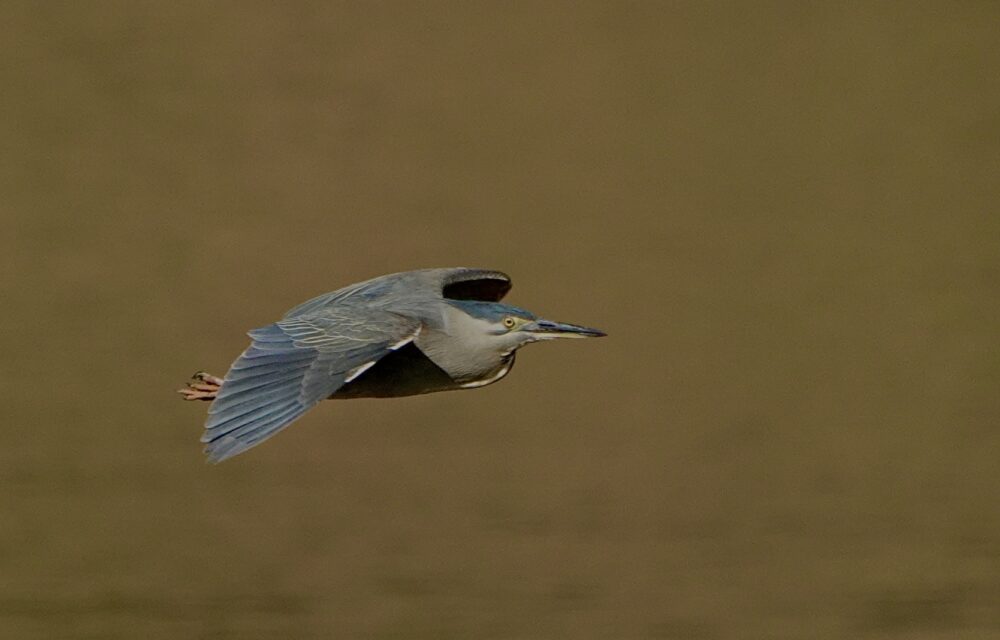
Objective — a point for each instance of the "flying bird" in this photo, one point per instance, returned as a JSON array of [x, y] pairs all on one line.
[[396, 335]]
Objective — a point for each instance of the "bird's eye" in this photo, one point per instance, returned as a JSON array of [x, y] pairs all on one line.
[[509, 322]]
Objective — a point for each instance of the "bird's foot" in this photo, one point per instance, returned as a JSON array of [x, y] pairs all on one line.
[[201, 386]]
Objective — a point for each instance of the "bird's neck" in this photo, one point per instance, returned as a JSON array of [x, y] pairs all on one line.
[[461, 348]]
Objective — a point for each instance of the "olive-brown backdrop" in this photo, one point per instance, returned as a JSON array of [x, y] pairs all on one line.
[[785, 216]]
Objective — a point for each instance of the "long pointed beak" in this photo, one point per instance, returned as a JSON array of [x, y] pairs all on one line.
[[547, 330]]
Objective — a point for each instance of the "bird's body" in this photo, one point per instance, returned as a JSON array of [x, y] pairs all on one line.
[[397, 335]]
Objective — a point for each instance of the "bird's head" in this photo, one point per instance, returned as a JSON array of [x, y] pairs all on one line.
[[509, 328]]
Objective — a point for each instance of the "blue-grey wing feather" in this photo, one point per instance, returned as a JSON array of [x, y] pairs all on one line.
[[423, 284], [291, 366]]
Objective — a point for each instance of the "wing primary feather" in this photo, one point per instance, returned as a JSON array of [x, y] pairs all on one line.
[[243, 438], [249, 420], [239, 403], [253, 384], [290, 366], [250, 406]]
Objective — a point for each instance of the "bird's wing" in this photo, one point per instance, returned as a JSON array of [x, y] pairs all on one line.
[[457, 283], [462, 283], [292, 365]]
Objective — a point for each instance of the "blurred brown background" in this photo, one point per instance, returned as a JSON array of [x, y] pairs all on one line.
[[786, 218]]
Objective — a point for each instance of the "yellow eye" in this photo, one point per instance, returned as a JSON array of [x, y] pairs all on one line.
[[509, 322]]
